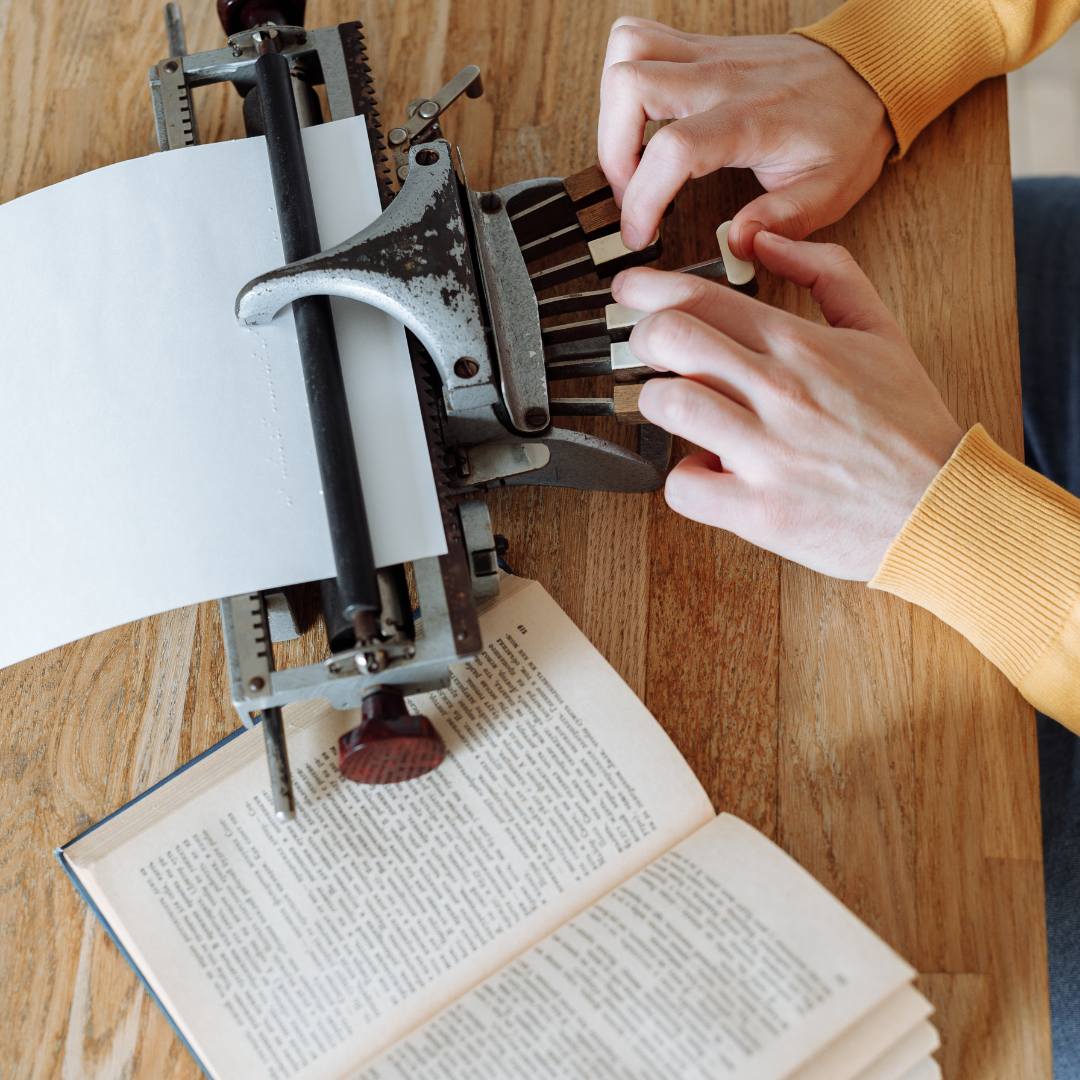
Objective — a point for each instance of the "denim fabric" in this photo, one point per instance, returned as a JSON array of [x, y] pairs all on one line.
[[1046, 216]]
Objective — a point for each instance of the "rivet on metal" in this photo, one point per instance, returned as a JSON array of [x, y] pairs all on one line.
[[396, 136], [256, 684], [429, 109]]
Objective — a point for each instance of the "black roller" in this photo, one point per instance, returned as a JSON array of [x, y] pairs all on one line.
[[354, 563]]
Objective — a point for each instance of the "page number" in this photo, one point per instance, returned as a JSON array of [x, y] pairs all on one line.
[[521, 629]]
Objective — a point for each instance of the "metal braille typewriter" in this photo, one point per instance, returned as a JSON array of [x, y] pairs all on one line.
[[479, 279]]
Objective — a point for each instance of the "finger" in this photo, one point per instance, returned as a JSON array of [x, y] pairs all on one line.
[[641, 39], [745, 320], [632, 92], [630, 39], [701, 489], [703, 416], [795, 210], [620, 129], [677, 342], [840, 288], [692, 147], [652, 24]]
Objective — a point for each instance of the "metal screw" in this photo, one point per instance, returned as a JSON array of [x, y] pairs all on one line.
[[490, 202], [170, 67], [461, 635], [536, 417], [256, 684], [429, 109], [396, 136], [466, 367], [426, 157]]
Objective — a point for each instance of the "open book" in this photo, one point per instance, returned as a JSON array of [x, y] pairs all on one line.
[[557, 900]]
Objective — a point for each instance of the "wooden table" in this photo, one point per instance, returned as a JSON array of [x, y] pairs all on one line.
[[865, 737]]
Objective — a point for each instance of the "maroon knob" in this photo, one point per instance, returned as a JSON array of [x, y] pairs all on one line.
[[389, 746], [238, 15]]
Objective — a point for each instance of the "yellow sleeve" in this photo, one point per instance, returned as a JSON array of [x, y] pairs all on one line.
[[993, 549], [921, 55]]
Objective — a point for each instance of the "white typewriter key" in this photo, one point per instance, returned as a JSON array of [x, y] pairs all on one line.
[[619, 317], [739, 271], [622, 358], [611, 247], [626, 367]]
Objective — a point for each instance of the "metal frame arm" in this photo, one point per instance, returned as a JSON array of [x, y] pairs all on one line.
[[413, 262]]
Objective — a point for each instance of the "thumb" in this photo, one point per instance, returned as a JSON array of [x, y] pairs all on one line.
[[794, 211], [840, 288]]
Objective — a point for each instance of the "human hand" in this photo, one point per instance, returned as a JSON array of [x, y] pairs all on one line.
[[819, 441], [811, 128]]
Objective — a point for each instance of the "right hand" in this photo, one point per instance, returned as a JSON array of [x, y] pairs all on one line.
[[818, 441], [812, 129]]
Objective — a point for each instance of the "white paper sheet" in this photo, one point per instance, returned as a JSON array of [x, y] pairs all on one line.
[[154, 453]]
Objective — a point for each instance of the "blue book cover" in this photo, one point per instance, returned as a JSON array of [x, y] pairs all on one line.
[[69, 870]]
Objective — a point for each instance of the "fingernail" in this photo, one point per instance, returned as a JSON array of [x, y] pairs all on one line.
[[776, 237], [617, 192], [630, 237], [747, 231], [617, 280]]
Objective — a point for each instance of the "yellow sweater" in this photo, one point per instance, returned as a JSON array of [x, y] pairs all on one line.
[[921, 55], [993, 549]]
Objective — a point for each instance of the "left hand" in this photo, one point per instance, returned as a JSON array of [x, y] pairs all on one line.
[[812, 129], [819, 441]]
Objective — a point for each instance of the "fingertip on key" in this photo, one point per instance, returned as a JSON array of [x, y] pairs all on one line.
[[637, 336], [745, 237], [630, 237]]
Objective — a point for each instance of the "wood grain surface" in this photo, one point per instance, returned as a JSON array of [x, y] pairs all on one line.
[[868, 739]]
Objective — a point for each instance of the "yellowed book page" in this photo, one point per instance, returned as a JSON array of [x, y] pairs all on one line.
[[861, 1045], [302, 950], [925, 1070], [721, 959], [911, 1052]]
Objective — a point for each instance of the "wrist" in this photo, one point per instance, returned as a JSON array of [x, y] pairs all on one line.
[[926, 461], [869, 112]]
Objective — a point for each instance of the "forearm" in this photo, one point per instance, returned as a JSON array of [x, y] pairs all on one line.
[[921, 55], [993, 549]]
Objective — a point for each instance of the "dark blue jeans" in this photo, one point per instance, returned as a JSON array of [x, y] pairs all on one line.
[[1046, 215]]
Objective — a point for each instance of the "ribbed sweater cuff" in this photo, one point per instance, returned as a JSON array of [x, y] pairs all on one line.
[[992, 549], [918, 55]]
